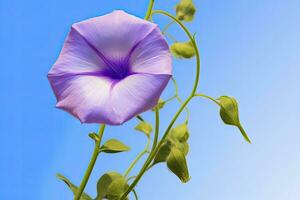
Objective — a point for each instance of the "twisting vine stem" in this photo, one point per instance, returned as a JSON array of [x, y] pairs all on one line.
[[193, 92]]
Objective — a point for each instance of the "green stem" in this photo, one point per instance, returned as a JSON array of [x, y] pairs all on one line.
[[208, 97], [192, 40], [139, 156], [91, 165], [167, 26], [170, 99], [156, 128], [170, 36], [154, 152], [149, 11]]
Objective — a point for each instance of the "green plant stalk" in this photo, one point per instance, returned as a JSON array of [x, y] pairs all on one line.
[[167, 26], [154, 152], [156, 128], [170, 36], [208, 97], [91, 164], [149, 11], [139, 156]]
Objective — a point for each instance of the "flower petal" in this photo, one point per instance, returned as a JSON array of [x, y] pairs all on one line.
[[76, 57], [85, 97], [136, 93], [114, 34], [152, 55]]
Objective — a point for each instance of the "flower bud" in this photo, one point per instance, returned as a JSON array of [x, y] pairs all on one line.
[[230, 114], [183, 49], [185, 10]]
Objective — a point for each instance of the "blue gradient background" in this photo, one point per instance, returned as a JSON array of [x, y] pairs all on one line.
[[250, 50]]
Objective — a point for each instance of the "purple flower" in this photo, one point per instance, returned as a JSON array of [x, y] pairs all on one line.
[[111, 68]]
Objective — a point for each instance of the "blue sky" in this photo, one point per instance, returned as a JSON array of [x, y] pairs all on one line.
[[249, 49]]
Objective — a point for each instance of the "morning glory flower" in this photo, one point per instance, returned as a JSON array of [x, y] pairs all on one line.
[[111, 68]]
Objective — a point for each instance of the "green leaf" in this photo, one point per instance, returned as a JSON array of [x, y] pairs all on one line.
[[230, 114], [144, 127], [111, 186], [176, 162], [114, 146], [185, 10], [74, 188], [183, 49]]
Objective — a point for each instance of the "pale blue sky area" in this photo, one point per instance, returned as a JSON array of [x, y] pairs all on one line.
[[250, 49]]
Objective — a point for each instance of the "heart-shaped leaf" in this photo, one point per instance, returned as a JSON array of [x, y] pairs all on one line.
[[114, 146]]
